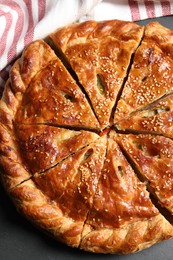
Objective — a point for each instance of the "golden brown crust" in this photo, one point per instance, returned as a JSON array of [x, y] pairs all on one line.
[[123, 218], [104, 49], [51, 203], [33, 204], [43, 146], [81, 32], [157, 118], [153, 157], [55, 98], [128, 239], [8, 105], [12, 172], [120, 196], [35, 57], [72, 183], [150, 76]]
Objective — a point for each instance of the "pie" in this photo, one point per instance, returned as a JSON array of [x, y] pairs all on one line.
[[86, 147]]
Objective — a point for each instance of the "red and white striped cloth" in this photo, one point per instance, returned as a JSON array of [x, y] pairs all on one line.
[[133, 9], [22, 21]]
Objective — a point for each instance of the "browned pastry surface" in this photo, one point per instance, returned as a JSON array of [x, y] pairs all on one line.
[[157, 118], [104, 49], [117, 221], [43, 146], [153, 156], [72, 183], [150, 76], [90, 180], [13, 171], [44, 213], [54, 98]]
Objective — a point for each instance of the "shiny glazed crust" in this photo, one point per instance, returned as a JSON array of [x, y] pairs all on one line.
[[156, 118], [153, 157], [123, 218], [36, 56], [43, 146], [151, 72], [62, 162], [104, 49]]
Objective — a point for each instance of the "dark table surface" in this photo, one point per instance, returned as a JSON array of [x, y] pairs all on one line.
[[20, 240]]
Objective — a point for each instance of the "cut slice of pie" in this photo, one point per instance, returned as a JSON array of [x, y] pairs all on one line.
[[104, 50], [53, 97], [123, 218], [58, 200], [40, 90], [73, 182], [152, 156], [157, 118], [43, 146], [151, 75], [34, 58]]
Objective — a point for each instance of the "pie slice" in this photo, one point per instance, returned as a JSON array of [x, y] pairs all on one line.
[[72, 183], [53, 97], [43, 146], [104, 50], [151, 73], [59, 199], [153, 158], [157, 118], [123, 218], [34, 58]]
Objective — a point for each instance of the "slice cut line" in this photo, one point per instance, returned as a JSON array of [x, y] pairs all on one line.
[[74, 180], [105, 60], [54, 97], [74, 177], [152, 156], [122, 212], [156, 119], [150, 76], [43, 146], [120, 196]]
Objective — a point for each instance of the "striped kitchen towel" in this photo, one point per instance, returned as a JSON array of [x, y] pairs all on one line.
[[22, 21], [132, 10]]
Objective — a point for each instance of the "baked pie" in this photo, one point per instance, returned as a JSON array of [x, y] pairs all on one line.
[[86, 135]]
